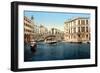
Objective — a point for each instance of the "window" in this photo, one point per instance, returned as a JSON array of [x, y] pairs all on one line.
[[74, 22], [86, 29], [74, 36], [79, 35], [69, 30], [83, 22], [74, 30], [79, 22], [86, 21], [87, 36], [83, 29], [78, 29]]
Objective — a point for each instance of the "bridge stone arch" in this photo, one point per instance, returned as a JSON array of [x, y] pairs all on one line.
[[50, 38]]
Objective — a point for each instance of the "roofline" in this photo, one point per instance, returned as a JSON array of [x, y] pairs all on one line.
[[77, 18]]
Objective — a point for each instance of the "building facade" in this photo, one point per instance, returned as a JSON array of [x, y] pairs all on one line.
[[77, 30], [28, 29], [43, 30], [55, 31]]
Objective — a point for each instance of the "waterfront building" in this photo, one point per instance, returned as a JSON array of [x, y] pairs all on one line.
[[58, 33], [77, 30], [28, 29], [36, 29], [55, 31], [43, 30], [36, 33]]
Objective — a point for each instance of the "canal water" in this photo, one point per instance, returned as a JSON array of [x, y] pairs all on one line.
[[57, 51]]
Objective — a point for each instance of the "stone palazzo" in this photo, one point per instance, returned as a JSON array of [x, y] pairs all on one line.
[[77, 30]]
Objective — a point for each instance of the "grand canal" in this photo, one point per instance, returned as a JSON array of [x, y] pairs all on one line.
[[57, 51]]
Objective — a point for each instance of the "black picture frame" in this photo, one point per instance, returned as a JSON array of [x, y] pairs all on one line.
[[14, 35]]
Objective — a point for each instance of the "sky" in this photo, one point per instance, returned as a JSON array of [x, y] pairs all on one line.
[[52, 19]]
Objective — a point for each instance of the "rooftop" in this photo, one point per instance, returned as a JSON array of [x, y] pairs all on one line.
[[72, 19]]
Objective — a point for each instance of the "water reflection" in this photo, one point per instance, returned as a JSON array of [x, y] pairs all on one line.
[[57, 51]]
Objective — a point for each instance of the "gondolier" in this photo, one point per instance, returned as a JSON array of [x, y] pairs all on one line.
[[33, 46]]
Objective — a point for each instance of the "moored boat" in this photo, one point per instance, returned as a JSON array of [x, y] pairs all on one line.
[[51, 42]]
